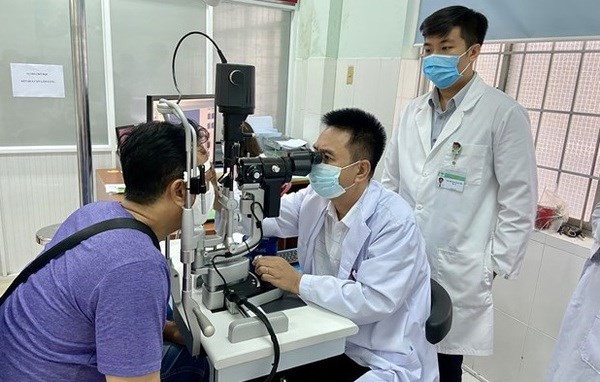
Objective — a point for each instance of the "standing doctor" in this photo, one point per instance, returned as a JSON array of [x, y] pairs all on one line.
[[577, 354], [463, 158]]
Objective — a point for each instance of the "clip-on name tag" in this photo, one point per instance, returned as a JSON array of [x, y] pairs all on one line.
[[452, 177]]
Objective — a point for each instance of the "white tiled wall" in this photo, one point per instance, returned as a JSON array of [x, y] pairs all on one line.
[[529, 310], [313, 95], [515, 297], [558, 278], [381, 86]]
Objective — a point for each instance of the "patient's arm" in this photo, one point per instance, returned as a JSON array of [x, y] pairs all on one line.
[[154, 377]]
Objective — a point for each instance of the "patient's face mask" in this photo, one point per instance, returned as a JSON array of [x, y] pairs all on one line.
[[442, 69], [199, 217], [325, 180]]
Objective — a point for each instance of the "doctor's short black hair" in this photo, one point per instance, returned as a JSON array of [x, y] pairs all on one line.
[[473, 25], [368, 137], [152, 156]]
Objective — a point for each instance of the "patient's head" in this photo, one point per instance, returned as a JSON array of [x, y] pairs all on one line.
[[249, 147], [152, 157]]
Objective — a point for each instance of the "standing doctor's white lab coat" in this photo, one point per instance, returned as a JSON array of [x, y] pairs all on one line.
[[484, 228], [382, 284], [577, 353]]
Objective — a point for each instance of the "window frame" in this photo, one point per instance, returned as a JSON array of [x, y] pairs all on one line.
[[290, 6]]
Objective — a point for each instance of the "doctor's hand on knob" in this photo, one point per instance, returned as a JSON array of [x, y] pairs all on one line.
[[279, 272]]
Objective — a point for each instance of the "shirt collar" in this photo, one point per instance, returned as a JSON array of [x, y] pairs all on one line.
[[434, 97], [352, 215]]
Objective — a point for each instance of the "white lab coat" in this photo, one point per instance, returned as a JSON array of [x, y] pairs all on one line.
[[577, 354], [382, 285], [486, 227]]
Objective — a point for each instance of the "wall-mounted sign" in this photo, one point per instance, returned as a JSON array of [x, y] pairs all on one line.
[[37, 80]]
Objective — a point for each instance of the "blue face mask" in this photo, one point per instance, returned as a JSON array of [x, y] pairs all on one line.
[[325, 180], [442, 69]]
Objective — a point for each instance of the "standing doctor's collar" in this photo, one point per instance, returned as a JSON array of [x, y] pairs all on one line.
[[434, 97]]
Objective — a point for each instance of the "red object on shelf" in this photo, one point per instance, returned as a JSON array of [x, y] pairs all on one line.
[[544, 218]]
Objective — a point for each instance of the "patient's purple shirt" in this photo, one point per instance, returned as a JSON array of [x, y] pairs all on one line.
[[98, 310]]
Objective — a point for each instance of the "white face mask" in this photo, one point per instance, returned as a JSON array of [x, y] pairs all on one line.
[[209, 198], [325, 180]]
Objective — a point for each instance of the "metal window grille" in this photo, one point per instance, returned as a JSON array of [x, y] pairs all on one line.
[[258, 35]]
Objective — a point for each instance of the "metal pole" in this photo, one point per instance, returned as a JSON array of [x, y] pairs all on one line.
[[82, 106]]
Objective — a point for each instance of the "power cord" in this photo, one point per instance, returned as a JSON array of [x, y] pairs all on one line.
[[219, 52], [258, 221], [231, 296], [239, 301]]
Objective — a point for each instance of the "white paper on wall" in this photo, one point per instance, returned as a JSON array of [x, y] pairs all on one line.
[[37, 80]]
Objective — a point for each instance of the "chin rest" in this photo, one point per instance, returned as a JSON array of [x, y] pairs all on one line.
[[440, 320]]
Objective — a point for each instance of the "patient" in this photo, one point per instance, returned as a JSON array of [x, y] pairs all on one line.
[[363, 258], [99, 312]]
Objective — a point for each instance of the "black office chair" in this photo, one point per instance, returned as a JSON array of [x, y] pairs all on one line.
[[440, 320]]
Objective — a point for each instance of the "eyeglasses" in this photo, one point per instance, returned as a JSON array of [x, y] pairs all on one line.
[[203, 135]]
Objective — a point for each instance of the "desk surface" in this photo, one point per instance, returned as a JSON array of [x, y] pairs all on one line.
[[314, 333], [106, 176]]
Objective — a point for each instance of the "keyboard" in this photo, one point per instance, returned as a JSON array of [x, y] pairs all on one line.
[[290, 255]]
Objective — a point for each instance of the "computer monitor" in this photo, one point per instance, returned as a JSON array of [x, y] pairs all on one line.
[[198, 107]]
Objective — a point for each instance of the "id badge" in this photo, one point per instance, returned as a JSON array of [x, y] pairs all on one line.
[[452, 179]]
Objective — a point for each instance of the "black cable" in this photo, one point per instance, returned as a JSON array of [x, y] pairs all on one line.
[[233, 297], [219, 52], [212, 261], [258, 312], [225, 287], [276, 348], [258, 221]]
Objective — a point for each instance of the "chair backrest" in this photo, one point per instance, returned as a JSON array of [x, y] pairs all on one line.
[[440, 320], [122, 133]]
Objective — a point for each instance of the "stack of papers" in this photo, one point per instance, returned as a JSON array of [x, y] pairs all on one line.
[[263, 125], [291, 144]]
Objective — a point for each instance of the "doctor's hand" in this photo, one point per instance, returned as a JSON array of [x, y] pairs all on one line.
[[278, 272]]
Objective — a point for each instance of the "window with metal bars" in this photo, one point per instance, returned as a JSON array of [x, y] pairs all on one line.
[[558, 82], [259, 35]]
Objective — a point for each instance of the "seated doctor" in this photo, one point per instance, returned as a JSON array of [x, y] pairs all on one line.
[[577, 354], [363, 258]]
